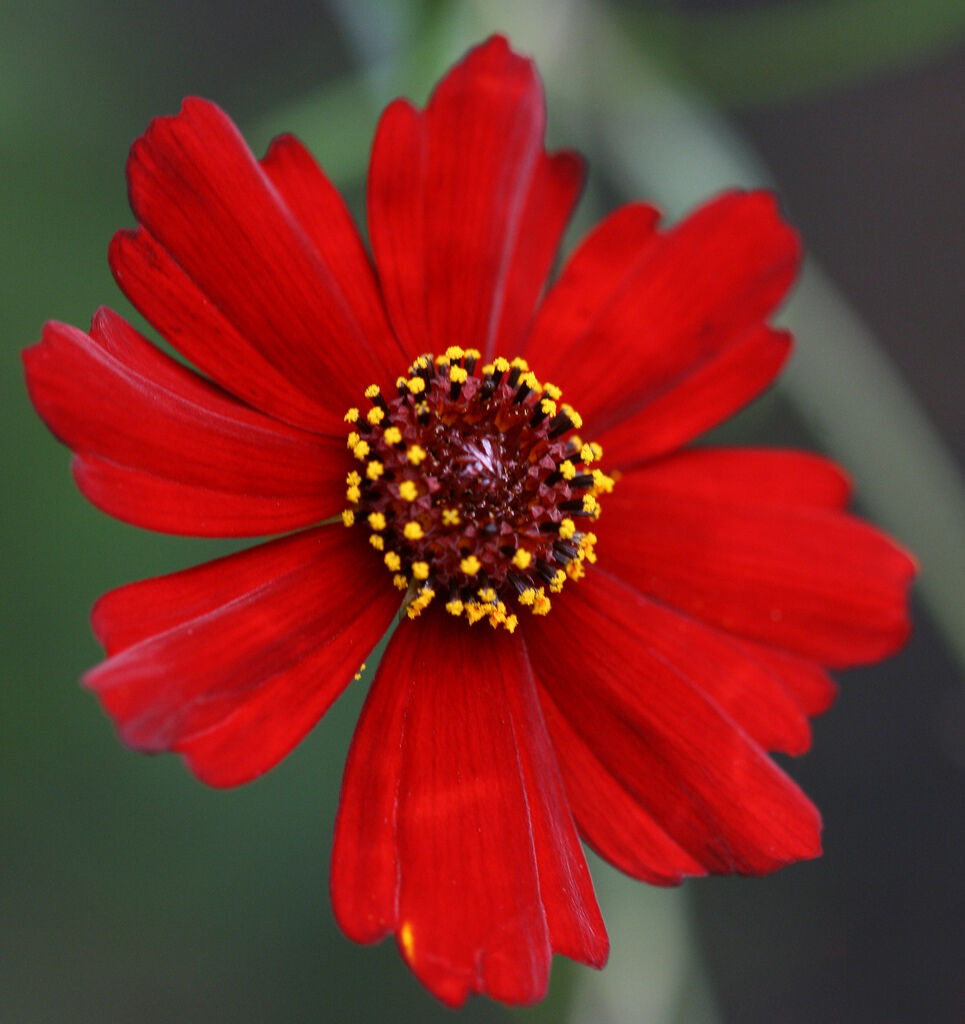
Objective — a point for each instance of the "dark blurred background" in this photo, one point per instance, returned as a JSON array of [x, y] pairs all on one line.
[[130, 892]]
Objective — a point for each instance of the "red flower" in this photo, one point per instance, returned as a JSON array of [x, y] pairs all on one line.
[[631, 706]]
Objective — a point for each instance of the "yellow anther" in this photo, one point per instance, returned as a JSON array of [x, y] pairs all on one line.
[[542, 604], [352, 416], [586, 547], [475, 611], [510, 623], [529, 379], [412, 531], [553, 391], [392, 435], [415, 608], [391, 559], [602, 484], [547, 407], [487, 594], [587, 454], [573, 416], [591, 506], [501, 364], [353, 494], [454, 607], [358, 675], [458, 374], [454, 353], [348, 517], [352, 440], [408, 491], [522, 558], [400, 582], [416, 385], [353, 479], [420, 363], [575, 569], [567, 529], [597, 450], [422, 409], [374, 469], [567, 469], [375, 415], [488, 369], [361, 450], [415, 454], [558, 580], [528, 596], [473, 353], [376, 520], [520, 362], [372, 391], [450, 517], [400, 382], [420, 570], [375, 539], [470, 565]]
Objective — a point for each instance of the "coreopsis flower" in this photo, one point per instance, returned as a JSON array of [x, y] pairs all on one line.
[[602, 629]]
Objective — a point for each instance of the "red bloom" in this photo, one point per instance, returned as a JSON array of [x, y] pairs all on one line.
[[632, 706]]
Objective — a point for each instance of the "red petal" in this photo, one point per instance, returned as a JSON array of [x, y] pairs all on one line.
[[466, 208], [453, 830], [660, 305], [763, 477], [174, 305], [807, 683], [163, 448], [234, 661], [196, 187], [813, 581], [636, 698]]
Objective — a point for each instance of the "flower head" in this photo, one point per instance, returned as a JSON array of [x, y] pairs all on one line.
[[604, 629]]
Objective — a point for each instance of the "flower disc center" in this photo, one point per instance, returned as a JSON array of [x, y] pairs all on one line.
[[473, 482]]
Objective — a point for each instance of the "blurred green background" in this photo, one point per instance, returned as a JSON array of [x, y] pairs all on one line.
[[128, 891]]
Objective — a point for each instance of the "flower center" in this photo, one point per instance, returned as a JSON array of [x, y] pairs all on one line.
[[473, 484]]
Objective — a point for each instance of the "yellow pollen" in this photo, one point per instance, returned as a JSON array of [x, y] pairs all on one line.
[[473, 353], [597, 450], [374, 469], [352, 416], [602, 484], [458, 374], [376, 520], [353, 479], [591, 506], [361, 450], [475, 611], [454, 607], [392, 560], [470, 566], [454, 352], [501, 364], [416, 454], [567, 469], [528, 596], [487, 594], [412, 531], [401, 583], [352, 440], [377, 542], [567, 529], [421, 363], [408, 490], [553, 391], [372, 391], [558, 580], [392, 435], [587, 454], [529, 379], [488, 369], [519, 361], [547, 407], [353, 494], [416, 385], [420, 570], [415, 608], [358, 675], [573, 416], [450, 517], [575, 569], [348, 517], [375, 415], [522, 558], [510, 623], [542, 604]]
